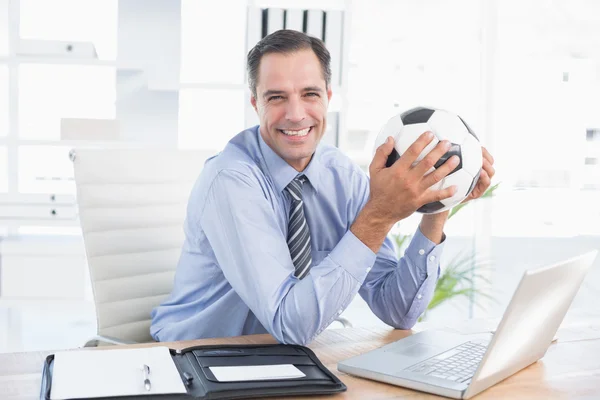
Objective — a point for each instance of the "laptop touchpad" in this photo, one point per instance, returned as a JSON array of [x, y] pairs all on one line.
[[417, 350]]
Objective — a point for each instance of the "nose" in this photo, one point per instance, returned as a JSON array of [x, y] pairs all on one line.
[[295, 110]]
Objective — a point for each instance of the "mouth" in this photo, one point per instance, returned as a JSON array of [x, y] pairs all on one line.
[[296, 134]]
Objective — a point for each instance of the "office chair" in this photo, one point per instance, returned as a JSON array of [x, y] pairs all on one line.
[[132, 205]]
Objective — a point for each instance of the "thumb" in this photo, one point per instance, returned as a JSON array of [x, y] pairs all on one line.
[[381, 155]]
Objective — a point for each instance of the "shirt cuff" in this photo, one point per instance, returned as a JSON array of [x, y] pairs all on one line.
[[424, 252], [354, 256]]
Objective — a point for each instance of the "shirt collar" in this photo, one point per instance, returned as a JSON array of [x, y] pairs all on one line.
[[282, 172]]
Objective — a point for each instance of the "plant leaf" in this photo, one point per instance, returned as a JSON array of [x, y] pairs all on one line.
[[488, 193]]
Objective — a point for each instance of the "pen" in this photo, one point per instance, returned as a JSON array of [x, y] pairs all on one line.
[[146, 370]]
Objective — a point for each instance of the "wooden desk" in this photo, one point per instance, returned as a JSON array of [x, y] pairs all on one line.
[[570, 369]]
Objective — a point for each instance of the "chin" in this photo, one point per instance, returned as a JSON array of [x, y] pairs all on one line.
[[295, 157]]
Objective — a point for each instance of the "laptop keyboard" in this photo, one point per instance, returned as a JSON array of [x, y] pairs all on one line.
[[457, 364]]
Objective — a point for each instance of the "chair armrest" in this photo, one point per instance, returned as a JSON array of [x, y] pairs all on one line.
[[100, 340]]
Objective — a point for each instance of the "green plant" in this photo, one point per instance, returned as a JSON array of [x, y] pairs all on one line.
[[488, 193], [460, 277]]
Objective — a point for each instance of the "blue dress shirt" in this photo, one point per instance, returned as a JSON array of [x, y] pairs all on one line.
[[235, 275]]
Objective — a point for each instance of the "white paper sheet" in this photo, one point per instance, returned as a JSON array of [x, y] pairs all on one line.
[[115, 372], [256, 372]]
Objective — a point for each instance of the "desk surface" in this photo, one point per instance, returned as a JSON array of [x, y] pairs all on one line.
[[570, 369]]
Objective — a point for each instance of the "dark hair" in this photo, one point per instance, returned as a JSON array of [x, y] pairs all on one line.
[[286, 41]]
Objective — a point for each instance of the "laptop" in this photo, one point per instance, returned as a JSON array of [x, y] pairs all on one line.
[[461, 366]]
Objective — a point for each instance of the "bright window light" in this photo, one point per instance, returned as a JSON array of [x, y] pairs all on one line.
[[3, 28], [45, 169], [208, 119], [213, 41], [50, 230], [3, 170], [3, 100], [391, 69], [48, 93], [72, 20]]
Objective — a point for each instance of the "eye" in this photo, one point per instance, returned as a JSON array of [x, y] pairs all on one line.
[[312, 94], [275, 98]]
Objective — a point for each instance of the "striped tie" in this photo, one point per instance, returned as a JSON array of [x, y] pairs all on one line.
[[298, 234]]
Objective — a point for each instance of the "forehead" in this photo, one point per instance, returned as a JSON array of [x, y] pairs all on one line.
[[290, 70]]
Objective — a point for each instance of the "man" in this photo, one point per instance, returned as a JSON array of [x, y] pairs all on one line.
[[282, 234]]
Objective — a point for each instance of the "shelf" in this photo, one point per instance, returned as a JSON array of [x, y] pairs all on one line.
[[43, 199], [117, 144], [68, 61], [306, 4], [26, 302], [208, 86]]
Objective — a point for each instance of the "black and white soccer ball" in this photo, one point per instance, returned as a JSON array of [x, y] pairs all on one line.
[[405, 128]]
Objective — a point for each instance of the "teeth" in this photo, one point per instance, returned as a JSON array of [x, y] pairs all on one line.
[[303, 132]]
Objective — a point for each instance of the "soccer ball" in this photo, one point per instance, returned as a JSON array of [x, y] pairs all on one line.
[[405, 128]]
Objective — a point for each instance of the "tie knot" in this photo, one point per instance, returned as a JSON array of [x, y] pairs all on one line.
[[294, 188]]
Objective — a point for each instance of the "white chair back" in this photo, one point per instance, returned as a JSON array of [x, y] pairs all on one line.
[[132, 207]]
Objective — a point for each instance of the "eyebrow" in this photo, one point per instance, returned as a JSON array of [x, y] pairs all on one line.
[[313, 89], [272, 92], [278, 92]]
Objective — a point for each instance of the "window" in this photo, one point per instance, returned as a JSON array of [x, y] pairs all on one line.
[[213, 41], [535, 104], [48, 93], [392, 69], [209, 118], [45, 169], [72, 20], [3, 28], [3, 101], [3, 170], [43, 90]]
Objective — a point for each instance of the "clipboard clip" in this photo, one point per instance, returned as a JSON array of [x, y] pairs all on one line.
[[188, 378]]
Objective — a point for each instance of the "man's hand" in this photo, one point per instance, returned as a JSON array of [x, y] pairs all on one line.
[[398, 191], [485, 176]]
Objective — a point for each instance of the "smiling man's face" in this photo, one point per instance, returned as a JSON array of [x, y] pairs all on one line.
[[291, 101]]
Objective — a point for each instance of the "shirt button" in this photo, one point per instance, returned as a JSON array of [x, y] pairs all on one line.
[[421, 252], [368, 270], [419, 296], [431, 258]]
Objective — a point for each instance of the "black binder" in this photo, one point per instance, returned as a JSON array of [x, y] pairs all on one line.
[[194, 363]]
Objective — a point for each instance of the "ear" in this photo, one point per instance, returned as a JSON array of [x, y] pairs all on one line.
[[253, 102], [329, 93]]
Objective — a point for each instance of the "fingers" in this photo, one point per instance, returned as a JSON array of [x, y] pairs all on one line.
[[487, 155], [439, 195], [482, 185], [488, 168], [381, 155], [432, 158], [485, 176], [440, 173], [484, 180], [413, 152]]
